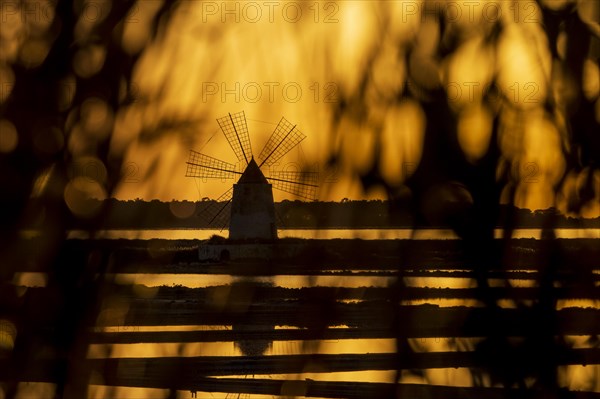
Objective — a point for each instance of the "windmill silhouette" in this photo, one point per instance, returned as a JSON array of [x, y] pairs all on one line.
[[248, 206]]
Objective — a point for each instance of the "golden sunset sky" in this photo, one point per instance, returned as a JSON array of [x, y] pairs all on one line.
[[298, 60], [301, 60]]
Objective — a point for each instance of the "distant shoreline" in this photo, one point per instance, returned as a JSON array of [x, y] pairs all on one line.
[[367, 234], [299, 215], [181, 256]]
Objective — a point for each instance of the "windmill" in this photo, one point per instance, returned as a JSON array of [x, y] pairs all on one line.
[[248, 206]]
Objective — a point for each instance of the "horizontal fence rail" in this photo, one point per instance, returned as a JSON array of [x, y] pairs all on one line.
[[408, 304]]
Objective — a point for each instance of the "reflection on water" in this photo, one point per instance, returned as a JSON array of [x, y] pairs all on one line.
[[323, 347], [102, 391], [362, 376], [207, 280], [571, 375], [324, 234], [31, 279]]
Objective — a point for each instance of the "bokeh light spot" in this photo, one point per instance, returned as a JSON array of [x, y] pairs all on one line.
[[402, 142], [7, 80], [96, 118], [90, 168], [182, 210], [33, 53], [8, 333], [89, 60], [83, 197], [474, 131], [591, 79], [8, 136]]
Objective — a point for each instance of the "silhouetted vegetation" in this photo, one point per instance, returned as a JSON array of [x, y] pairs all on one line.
[[68, 86], [140, 214]]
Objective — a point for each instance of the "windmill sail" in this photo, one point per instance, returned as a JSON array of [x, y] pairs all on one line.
[[235, 129], [203, 166], [217, 213], [252, 195], [301, 184], [285, 137]]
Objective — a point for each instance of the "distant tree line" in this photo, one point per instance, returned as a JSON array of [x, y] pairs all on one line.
[[155, 214]]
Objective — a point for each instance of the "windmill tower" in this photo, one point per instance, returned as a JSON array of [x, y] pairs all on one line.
[[252, 207], [248, 207]]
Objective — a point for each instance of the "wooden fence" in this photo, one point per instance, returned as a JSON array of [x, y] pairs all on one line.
[[249, 311]]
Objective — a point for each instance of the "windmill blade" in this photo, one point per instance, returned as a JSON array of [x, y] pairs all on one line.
[[218, 212], [236, 132], [285, 137], [301, 184], [203, 166]]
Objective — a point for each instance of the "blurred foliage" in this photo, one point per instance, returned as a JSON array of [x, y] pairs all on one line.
[[65, 76], [66, 68], [495, 102], [503, 110]]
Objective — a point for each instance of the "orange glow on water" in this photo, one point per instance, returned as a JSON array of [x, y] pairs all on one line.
[[261, 68], [370, 84]]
